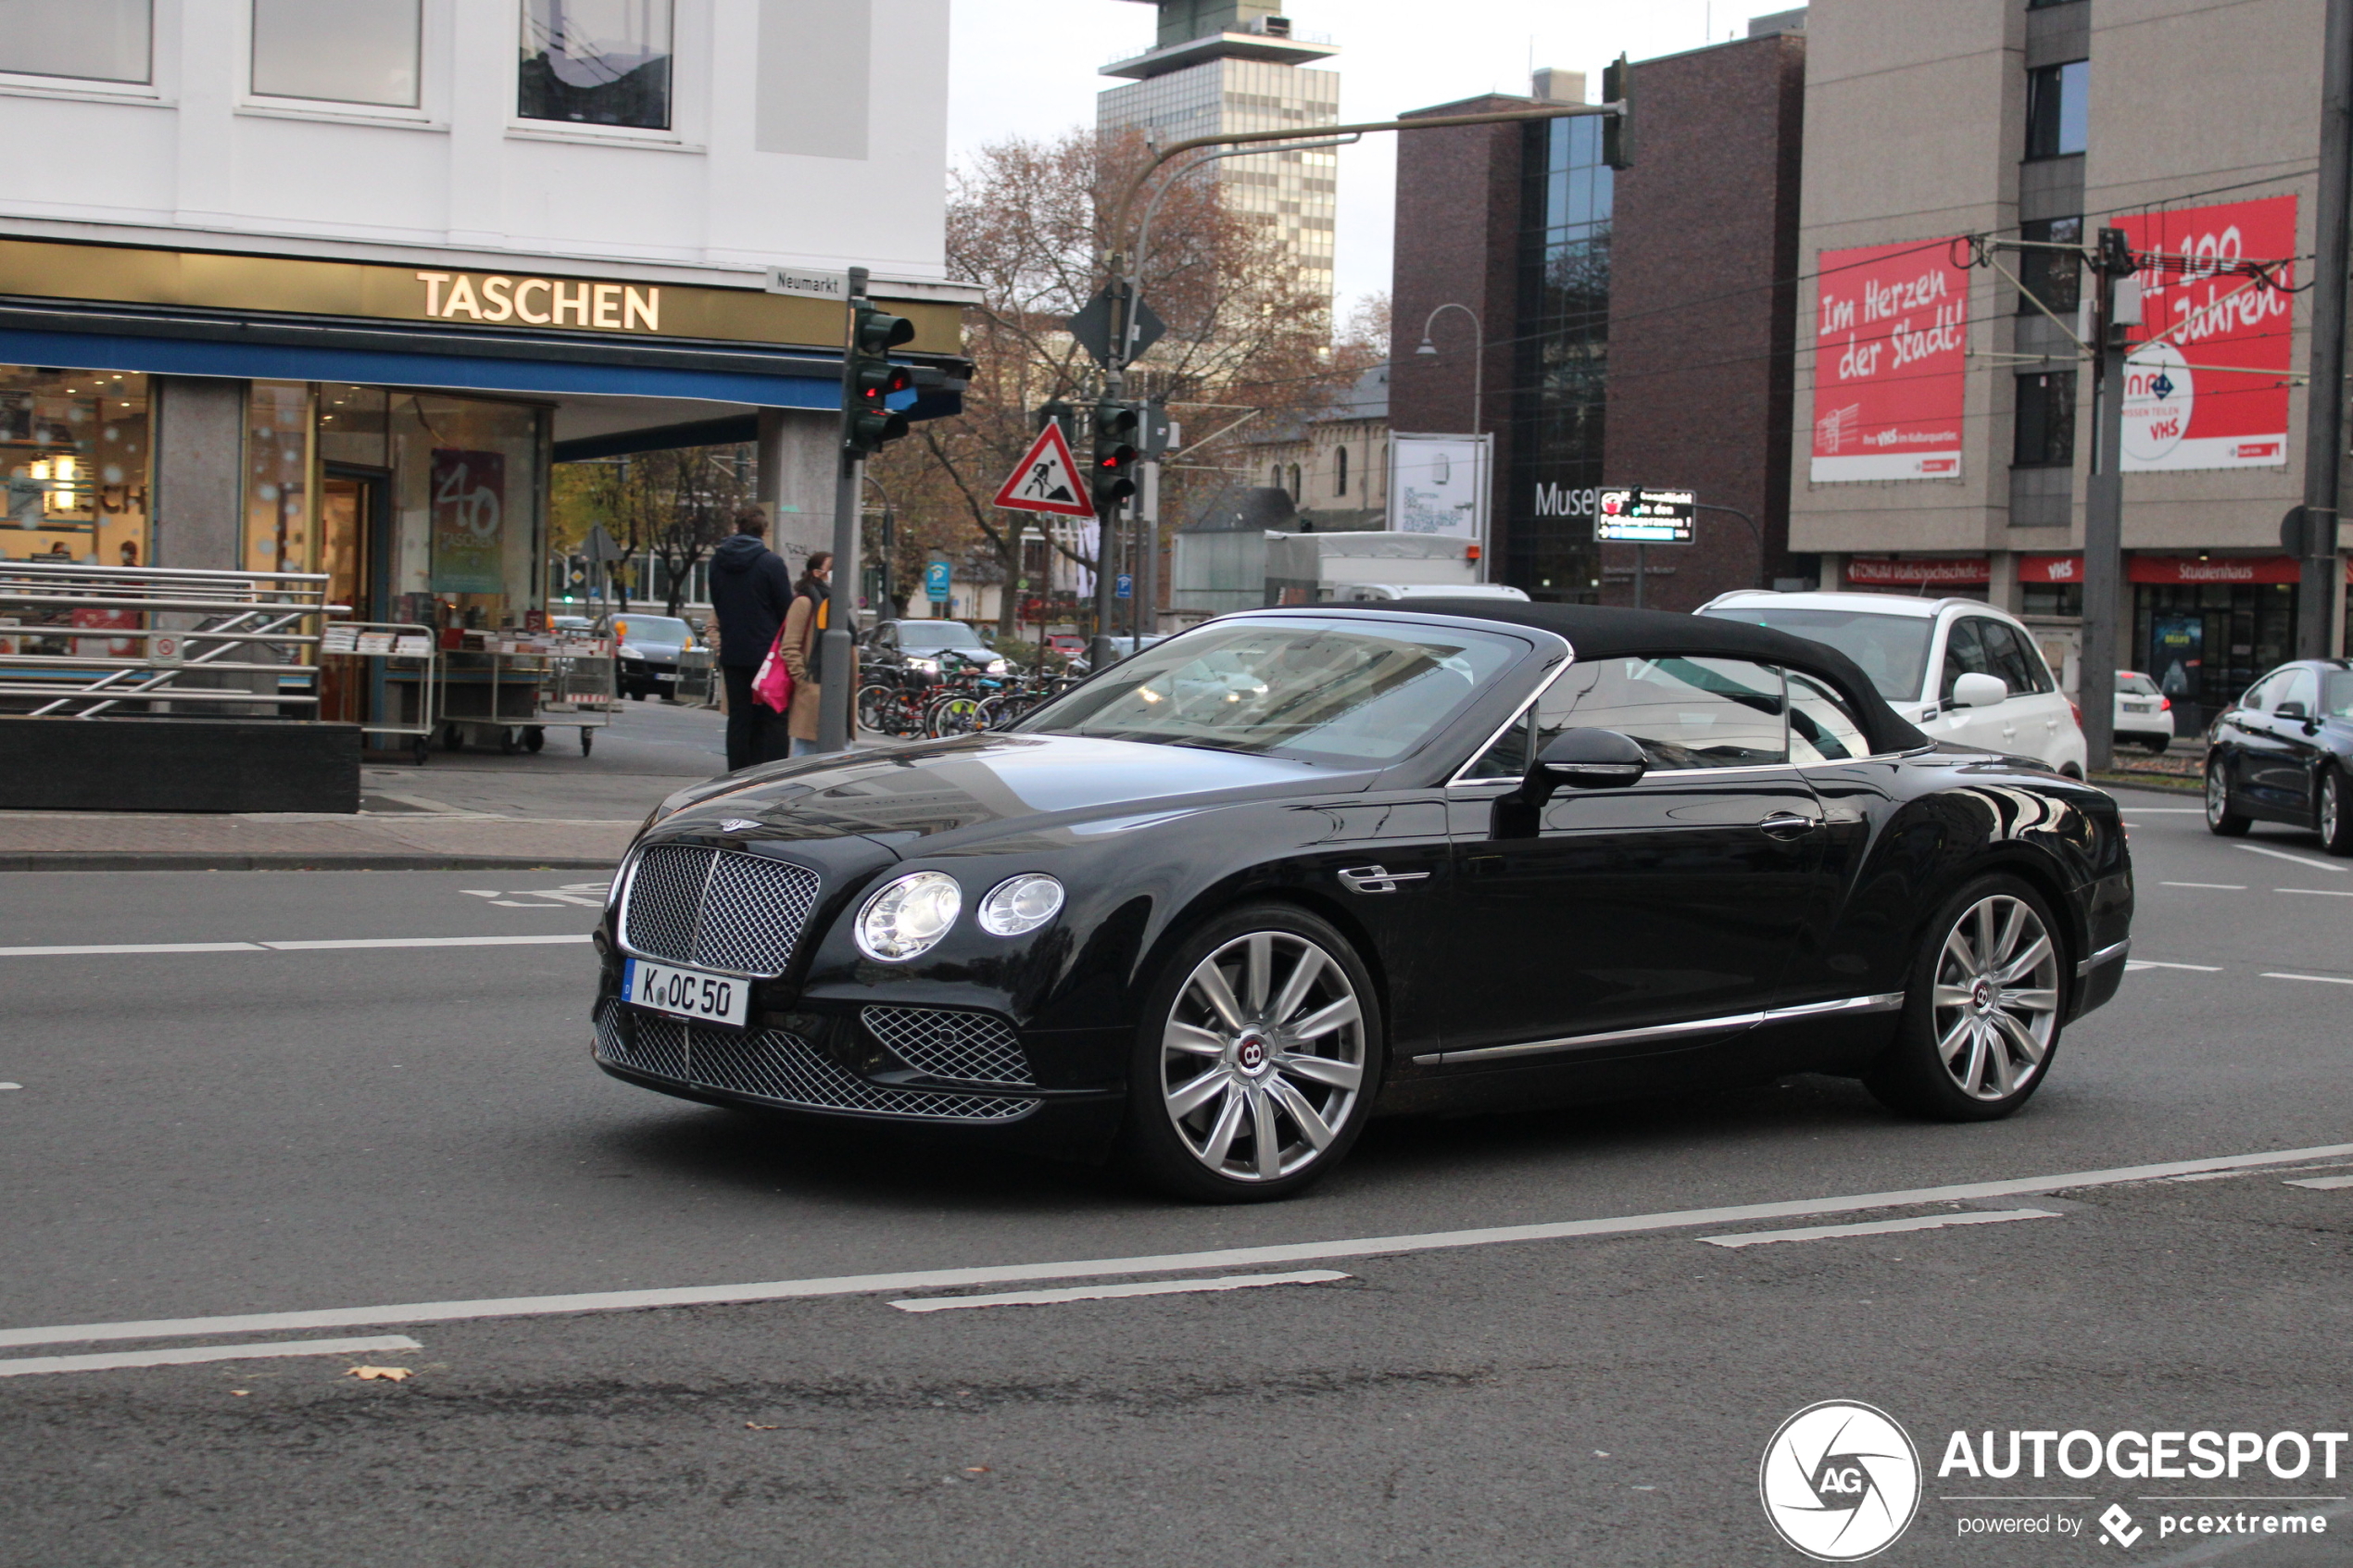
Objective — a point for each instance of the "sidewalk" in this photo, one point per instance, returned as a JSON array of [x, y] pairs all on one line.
[[468, 810]]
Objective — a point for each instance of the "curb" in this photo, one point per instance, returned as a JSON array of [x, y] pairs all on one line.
[[2169, 783], [197, 861]]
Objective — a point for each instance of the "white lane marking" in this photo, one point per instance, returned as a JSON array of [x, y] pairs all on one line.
[[75, 950], [2152, 963], [2323, 1183], [1114, 1292], [2317, 892], [2206, 1176], [6, 1086], [536, 940], [2167, 810], [2300, 860], [2316, 979], [1175, 1262], [1881, 1227], [189, 1355], [2218, 886]]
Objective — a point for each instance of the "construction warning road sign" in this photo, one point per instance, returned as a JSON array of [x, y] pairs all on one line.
[[1046, 479]]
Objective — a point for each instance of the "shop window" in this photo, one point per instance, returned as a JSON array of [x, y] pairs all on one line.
[[597, 62], [2052, 598], [2055, 278], [91, 39], [469, 509], [2045, 420], [338, 51], [278, 532], [2058, 109], [73, 459]]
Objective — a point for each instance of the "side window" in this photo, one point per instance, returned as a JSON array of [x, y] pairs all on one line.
[[1964, 655], [2303, 686], [2258, 695], [1821, 727], [2010, 660], [1507, 756], [1686, 712]]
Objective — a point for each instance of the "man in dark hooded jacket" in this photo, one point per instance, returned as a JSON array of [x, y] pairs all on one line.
[[750, 591]]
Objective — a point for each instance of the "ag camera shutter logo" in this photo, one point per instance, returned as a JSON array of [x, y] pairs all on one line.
[[1840, 1481]]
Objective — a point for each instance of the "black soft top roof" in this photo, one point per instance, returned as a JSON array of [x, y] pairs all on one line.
[[1599, 632]]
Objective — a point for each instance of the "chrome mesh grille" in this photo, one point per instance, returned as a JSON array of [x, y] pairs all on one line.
[[978, 1047], [774, 1065], [717, 907]]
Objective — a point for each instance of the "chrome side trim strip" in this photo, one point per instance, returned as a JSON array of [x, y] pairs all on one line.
[[2109, 954], [1886, 1001]]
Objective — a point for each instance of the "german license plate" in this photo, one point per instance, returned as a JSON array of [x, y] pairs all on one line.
[[687, 993]]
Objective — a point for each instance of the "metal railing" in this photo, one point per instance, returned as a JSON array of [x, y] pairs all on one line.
[[156, 638]]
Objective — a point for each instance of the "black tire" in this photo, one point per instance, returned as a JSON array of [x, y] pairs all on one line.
[[2336, 813], [534, 738], [1954, 1058], [874, 708], [2220, 820], [1262, 1074], [951, 716]]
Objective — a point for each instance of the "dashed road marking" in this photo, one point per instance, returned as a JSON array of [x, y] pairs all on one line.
[[2316, 979], [2298, 860], [2323, 1183], [190, 1355], [2218, 886], [1881, 1227], [2152, 963], [2317, 892], [1164, 1264], [1115, 1292], [536, 940]]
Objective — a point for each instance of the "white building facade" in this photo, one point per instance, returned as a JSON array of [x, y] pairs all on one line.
[[328, 284]]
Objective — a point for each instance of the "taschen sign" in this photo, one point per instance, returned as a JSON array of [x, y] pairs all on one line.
[[1890, 324], [2207, 389]]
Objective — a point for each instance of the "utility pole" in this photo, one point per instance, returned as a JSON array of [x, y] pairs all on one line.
[[2324, 403], [2104, 500], [869, 382]]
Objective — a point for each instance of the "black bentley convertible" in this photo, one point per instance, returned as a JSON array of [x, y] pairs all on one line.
[[1218, 906]]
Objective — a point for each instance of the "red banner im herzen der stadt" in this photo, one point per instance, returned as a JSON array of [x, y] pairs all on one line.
[[2181, 410], [1889, 330]]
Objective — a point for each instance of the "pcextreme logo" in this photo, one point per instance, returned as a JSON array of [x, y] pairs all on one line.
[[1840, 1481]]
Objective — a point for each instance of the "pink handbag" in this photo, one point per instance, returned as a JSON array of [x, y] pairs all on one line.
[[772, 688]]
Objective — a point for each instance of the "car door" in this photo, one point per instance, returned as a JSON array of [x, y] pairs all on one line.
[[2036, 716], [2284, 744], [1634, 919], [1966, 654]]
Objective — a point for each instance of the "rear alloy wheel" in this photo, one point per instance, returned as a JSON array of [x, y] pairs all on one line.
[[1981, 1017], [2337, 814], [2219, 818], [1258, 1060]]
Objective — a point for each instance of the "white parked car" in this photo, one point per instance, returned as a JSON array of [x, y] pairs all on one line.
[[1958, 669], [2144, 713], [1382, 593]]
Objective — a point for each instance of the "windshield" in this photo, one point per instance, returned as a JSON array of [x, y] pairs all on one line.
[[1304, 689], [653, 629], [1893, 650], [938, 635]]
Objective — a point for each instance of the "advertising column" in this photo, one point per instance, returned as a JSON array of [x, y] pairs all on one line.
[[1889, 368]]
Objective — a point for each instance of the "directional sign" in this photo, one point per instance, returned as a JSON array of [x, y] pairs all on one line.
[[1046, 479], [935, 579], [1644, 516]]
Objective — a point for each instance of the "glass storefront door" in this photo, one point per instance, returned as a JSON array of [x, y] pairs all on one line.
[[2205, 643]]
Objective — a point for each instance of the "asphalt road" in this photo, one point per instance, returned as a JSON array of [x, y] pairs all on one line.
[[271, 1130]]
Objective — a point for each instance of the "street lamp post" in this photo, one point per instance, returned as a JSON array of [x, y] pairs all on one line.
[[1478, 390]]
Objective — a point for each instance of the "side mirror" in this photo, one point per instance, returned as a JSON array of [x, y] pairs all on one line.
[[1587, 760], [1980, 691], [2290, 710]]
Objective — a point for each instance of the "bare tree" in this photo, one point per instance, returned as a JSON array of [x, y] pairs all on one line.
[[671, 506], [1026, 223]]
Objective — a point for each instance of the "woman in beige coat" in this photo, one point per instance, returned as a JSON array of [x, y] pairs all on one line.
[[805, 622]]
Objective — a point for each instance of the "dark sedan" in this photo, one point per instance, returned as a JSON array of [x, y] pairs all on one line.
[[650, 646], [1216, 907], [2283, 753]]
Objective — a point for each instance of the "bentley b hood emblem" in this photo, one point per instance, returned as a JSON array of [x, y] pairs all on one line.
[[737, 824]]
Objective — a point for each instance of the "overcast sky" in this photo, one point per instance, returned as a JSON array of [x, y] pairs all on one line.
[[1029, 69]]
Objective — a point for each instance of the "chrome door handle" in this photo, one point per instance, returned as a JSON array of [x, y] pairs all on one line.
[[1789, 824]]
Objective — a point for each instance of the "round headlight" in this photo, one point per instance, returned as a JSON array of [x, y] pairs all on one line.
[[906, 918], [1020, 903]]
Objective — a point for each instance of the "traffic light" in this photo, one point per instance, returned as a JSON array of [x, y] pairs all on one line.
[[1114, 471], [1618, 128], [868, 420]]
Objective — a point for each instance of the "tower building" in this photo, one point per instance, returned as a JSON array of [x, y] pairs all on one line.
[[1231, 66]]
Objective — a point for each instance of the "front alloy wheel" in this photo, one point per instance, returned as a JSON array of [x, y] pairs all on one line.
[[2335, 814], [1980, 1019], [1260, 1072]]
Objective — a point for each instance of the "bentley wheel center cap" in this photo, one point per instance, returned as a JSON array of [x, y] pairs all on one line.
[[1249, 1053], [1982, 995]]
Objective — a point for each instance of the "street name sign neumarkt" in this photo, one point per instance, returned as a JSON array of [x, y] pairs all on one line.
[[1637, 516], [1046, 479]]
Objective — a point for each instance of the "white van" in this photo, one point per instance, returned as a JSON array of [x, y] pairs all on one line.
[[1960, 669]]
